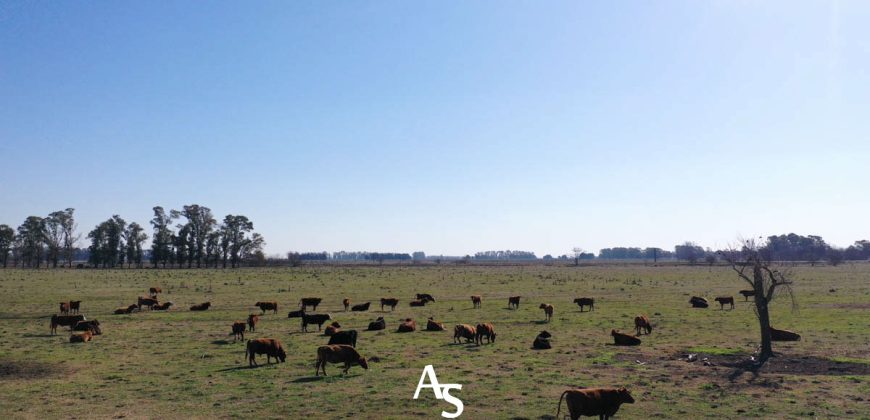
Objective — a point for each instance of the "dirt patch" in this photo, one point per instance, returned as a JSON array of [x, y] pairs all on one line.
[[21, 370], [847, 305], [785, 364]]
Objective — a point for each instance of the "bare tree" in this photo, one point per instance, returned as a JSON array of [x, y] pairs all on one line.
[[752, 267]]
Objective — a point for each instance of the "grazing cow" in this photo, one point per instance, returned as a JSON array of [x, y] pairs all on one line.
[[514, 302], [584, 301], [344, 337], [698, 302], [601, 402], [338, 353], [408, 326], [318, 319], [431, 325], [641, 323], [331, 329], [267, 306], [747, 294], [296, 314], [147, 301], [268, 346], [362, 307], [542, 341], [253, 319], [154, 291], [346, 303], [201, 307], [127, 310], [621, 339], [464, 331], [391, 302], [163, 306], [81, 337], [312, 302], [65, 320], [476, 301], [64, 308], [425, 297], [93, 326], [378, 324], [783, 335], [418, 303], [74, 306], [485, 330], [725, 300], [548, 311], [238, 331]]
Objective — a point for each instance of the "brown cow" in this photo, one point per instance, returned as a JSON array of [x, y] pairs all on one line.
[[378, 324], [238, 331], [514, 302], [346, 303], [127, 310], [548, 311], [747, 294], [585, 301], [783, 335], [92, 325], [64, 308], [154, 291], [147, 301], [601, 402], [267, 306], [476, 300], [201, 307], [641, 323], [464, 331], [338, 353], [431, 325], [268, 346], [621, 339], [253, 319], [312, 302], [163, 306], [418, 303], [542, 341], [81, 337], [485, 330], [331, 329], [391, 302], [74, 306], [408, 326], [725, 300], [64, 320]]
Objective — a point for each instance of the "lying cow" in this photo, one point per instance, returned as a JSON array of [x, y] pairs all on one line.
[[584, 301], [725, 300], [601, 402], [201, 307], [147, 301], [81, 337], [267, 306], [362, 307], [331, 329], [542, 341], [698, 302], [378, 324], [318, 319], [464, 331], [268, 346], [312, 302], [621, 339], [418, 303], [74, 306], [391, 302], [65, 321], [238, 331], [514, 302], [93, 326], [747, 294], [344, 337], [475, 300], [425, 297], [338, 353], [485, 330], [296, 314], [408, 326], [783, 335], [346, 303], [548, 311], [163, 306], [126, 310], [253, 319], [641, 323], [431, 325]]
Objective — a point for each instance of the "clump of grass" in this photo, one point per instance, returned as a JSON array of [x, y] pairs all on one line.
[[850, 360], [718, 351]]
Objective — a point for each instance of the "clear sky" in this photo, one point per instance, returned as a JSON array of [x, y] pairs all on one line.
[[447, 127]]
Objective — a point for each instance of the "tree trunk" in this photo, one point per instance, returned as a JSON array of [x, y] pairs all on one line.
[[763, 314]]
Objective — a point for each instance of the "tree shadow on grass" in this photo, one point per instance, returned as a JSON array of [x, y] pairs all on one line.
[[541, 322], [223, 342], [234, 368], [305, 379]]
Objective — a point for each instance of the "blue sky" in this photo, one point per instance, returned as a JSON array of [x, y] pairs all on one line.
[[448, 127]]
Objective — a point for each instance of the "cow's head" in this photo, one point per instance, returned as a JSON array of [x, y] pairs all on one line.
[[613, 332], [282, 355], [362, 362], [625, 396], [545, 334], [258, 304]]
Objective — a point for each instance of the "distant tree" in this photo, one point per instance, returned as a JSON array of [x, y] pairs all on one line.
[[135, 238], [213, 248], [53, 238], [548, 257], [7, 241], [70, 238], [710, 259], [689, 251], [237, 228], [31, 241], [294, 258], [835, 256], [107, 243], [162, 243], [200, 223]]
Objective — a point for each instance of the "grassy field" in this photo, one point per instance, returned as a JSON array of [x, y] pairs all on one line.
[[185, 364]]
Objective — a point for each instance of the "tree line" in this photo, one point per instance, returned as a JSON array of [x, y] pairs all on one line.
[[187, 237]]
